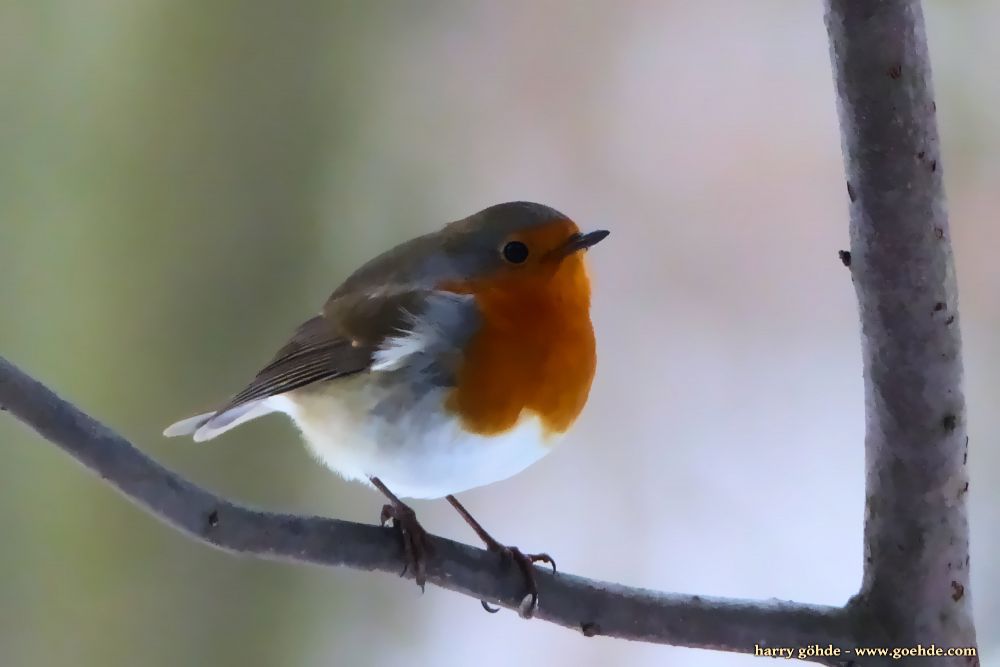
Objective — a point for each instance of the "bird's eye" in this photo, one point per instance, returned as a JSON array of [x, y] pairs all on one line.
[[515, 252]]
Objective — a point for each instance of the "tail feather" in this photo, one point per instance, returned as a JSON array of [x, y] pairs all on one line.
[[187, 426], [210, 424]]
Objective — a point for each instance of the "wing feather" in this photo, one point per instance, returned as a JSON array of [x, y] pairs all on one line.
[[314, 354], [342, 340], [356, 332]]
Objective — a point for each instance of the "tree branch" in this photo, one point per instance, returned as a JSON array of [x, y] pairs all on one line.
[[916, 582], [589, 606]]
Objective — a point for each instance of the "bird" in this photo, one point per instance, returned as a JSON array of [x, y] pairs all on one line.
[[454, 360]]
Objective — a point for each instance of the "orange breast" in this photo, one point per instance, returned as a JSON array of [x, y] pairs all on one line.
[[534, 353]]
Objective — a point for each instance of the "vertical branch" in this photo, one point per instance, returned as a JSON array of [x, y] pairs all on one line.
[[916, 581]]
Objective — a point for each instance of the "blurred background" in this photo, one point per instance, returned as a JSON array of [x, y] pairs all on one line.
[[181, 183]]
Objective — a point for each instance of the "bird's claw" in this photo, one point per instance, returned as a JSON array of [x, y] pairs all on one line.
[[414, 537], [525, 562]]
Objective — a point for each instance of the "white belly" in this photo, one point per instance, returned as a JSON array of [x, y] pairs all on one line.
[[419, 453]]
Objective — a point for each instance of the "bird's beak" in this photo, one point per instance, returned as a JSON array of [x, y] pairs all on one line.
[[579, 242]]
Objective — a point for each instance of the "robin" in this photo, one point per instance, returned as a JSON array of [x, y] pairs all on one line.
[[454, 360]]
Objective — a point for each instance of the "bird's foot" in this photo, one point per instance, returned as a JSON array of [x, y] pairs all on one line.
[[413, 535], [414, 538], [525, 563]]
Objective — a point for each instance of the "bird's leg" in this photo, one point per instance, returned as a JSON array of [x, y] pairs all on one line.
[[414, 536], [524, 561]]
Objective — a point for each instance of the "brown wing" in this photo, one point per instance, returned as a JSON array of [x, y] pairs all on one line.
[[341, 341], [338, 342], [313, 354]]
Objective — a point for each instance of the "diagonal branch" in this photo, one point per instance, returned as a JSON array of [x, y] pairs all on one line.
[[589, 606]]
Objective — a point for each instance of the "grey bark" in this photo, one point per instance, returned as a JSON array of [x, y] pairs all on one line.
[[588, 606], [916, 577]]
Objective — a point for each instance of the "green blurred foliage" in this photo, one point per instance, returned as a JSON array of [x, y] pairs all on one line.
[[165, 167]]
